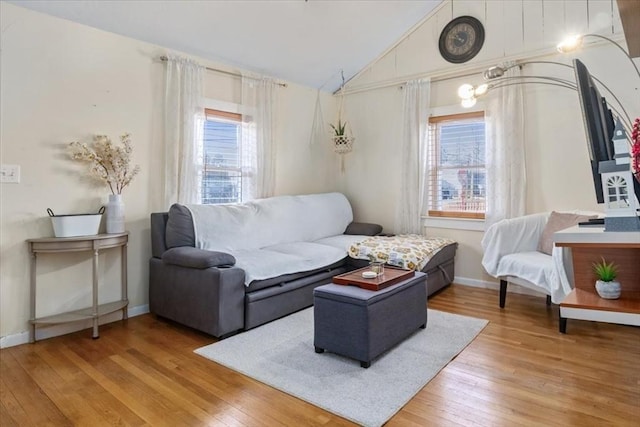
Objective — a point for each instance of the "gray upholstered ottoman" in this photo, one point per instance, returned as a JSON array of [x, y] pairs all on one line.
[[363, 324]]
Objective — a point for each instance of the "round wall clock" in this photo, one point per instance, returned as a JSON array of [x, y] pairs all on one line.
[[461, 39]]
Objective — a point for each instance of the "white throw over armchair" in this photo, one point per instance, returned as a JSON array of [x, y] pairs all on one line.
[[511, 254]]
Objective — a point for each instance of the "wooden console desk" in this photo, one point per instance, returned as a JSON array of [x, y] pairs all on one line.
[[589, 245], [94, 244]]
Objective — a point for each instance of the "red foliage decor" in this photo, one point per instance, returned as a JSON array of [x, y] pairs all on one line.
[[635, 148]]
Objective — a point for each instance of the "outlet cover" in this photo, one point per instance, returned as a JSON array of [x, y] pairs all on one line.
[[10, 174]]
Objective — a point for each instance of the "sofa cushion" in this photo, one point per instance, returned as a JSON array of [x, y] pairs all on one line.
[[558, 221], [285, 258], [265, 222], [197, 258], [534, 267], [179, 227], [342, 241]]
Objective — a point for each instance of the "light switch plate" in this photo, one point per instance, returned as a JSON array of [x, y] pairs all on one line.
[[10, 174]]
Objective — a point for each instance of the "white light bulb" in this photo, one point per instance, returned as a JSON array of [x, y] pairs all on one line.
[[465, 91], [469, 102], [481, 90], [569, 44]]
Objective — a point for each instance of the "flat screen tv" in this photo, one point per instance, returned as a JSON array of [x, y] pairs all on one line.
[[598, 124]]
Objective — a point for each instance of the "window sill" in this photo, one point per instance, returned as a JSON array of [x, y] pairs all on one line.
[[454, 223]]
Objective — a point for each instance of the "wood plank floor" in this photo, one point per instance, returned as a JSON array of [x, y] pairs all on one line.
[[519, 371]]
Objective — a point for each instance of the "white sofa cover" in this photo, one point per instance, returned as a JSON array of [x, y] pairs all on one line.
[[279, 235]]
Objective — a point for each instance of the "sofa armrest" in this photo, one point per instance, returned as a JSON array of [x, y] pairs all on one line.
[[363, 229], [186, 256], [208, 299]]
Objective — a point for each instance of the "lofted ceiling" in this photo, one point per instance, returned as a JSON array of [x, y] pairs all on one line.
[[312, 42]]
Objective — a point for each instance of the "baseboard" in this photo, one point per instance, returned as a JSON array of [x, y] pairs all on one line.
[[475, 283], [44, 332], [516, 289]]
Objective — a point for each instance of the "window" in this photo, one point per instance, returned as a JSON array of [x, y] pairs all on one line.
[[222, 169], [456, 169], [617, 196]]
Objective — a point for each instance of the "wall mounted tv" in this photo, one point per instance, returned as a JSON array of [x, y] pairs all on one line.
[[599, 126]]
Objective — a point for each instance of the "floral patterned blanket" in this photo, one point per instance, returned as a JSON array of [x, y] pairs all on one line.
[[408, 251]]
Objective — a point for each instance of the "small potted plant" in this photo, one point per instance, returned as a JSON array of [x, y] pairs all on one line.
[[606, 285], [341, 141]]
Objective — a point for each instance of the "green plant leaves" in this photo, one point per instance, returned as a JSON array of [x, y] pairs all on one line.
[[606, 272], [340, 128]]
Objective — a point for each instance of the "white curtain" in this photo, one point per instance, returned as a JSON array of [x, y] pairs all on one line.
[[257, 140], [413, 149], [182, 125], [505, 152]]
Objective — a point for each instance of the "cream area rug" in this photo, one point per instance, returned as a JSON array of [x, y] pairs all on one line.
[[281, 354]]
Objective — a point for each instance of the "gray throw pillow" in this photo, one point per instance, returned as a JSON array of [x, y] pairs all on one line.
[[179, 231], [363, 229], [197, 258], [558, 221]]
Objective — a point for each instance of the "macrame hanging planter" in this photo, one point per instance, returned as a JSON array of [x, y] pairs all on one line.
[[342, 137], [342, 144]]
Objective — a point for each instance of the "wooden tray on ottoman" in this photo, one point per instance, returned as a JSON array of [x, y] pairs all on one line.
[[391, 276]]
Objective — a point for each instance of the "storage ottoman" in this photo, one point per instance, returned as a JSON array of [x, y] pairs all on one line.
[[363, 324]]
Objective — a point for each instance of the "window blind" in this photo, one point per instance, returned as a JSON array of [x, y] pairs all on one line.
[[222, 172], [456, 165]]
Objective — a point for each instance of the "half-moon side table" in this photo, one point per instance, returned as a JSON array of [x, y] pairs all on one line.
[[94, 243]]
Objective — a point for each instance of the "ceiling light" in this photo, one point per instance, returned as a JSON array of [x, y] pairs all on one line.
[[465, 91]]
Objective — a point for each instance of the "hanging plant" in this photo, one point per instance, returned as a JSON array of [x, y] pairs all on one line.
[[342, 142]]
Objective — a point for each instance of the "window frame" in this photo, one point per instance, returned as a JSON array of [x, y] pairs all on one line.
[[432, 171]]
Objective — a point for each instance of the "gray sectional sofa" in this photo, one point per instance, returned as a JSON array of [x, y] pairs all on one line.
[[225, 268]]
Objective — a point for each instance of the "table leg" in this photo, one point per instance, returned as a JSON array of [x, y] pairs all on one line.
[[125, 309], [563, 324], [95, 294], [32, 326]]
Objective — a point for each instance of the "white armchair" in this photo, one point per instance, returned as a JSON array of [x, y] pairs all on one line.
[[511, 255]]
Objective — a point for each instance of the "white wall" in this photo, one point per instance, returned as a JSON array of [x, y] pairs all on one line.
[[558, 173], [61, 82]]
